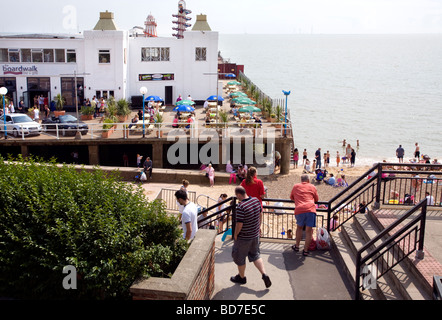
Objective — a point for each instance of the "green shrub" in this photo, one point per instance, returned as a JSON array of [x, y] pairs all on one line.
[[53, 216]]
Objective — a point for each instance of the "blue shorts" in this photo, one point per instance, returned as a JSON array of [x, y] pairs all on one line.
[[307, 219]]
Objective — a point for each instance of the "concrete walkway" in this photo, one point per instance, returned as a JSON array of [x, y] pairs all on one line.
[[293, 276]]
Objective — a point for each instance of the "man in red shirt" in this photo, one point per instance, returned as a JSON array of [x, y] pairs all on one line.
[[305, 196]]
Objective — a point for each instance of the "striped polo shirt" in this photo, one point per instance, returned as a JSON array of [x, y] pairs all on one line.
[[248, 212]]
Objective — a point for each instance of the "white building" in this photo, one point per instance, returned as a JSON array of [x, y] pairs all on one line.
[[109, 62]]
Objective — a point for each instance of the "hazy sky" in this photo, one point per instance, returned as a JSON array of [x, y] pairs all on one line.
[[232, 16]]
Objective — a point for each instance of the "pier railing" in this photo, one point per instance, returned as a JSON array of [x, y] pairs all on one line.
[[153, 130]]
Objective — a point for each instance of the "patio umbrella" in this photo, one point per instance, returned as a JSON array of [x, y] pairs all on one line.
[[213, 98], [154, 98], [184, 108], [243, 100], [185, 102], [249, 109], [239, 94], [230, 75], [233, 83]]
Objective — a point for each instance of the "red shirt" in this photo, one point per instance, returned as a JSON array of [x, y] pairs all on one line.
[[255, 190], [305, 196]]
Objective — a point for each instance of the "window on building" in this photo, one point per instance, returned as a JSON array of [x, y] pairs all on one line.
[[71, 56], [200, 54], [60, 55], [104, 56], [26, 55], [155, 54], [165, 54], [14, 55], [37, 55], [48, 55], [4, 55]]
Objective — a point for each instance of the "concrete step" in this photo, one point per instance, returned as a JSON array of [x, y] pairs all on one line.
[[398, 284], [355, 240]]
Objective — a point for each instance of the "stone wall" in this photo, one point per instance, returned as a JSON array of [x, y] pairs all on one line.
[[194, 279]]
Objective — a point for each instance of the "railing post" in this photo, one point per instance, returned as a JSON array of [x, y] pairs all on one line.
[[56, 129], [233, 217], [377, 203], [358, 276], [420, 252], [328, 216]]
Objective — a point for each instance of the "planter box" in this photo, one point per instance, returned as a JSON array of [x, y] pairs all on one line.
[[87, 117], [194, 279], [108, 133], [122, 118]]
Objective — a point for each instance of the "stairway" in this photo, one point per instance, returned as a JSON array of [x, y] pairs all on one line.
[[403, 282]]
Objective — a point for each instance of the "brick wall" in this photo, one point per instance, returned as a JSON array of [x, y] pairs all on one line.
[[194, 279]]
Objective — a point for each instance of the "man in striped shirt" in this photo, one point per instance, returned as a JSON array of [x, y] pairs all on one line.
[[246, 237]]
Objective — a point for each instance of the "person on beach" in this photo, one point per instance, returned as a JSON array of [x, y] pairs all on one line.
[[304, 157], [338, 159], [305, 196], [348, 151], [246, 237], [430, 199], [328, 159], [296, 157], [210, 173], [139, 158], [148, 167], [353, 158], [417, 152], [318, 159], [400, 154], [307, 168], [253, 186]]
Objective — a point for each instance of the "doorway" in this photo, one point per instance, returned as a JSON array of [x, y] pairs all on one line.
[[168, 95]]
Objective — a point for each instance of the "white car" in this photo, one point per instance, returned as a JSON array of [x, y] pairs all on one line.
[[19, 124]]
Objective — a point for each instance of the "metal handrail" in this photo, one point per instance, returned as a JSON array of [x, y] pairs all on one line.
[[164, 127], [437, 288], [391, 240]]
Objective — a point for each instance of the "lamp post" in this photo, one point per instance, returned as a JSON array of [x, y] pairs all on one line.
[[286, 93], [3, 92], [143, 91]]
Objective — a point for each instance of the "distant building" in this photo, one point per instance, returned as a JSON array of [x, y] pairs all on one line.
[[109, 62]]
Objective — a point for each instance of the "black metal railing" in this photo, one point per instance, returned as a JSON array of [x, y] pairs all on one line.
[[278, 219], [356, 197], [373, 261], [437, 288], [211, 217], [408, 184]]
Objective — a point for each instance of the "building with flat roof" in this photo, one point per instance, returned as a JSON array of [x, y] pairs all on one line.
[[109, 62]]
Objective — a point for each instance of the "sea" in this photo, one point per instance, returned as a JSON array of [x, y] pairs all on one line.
[[383, 90]]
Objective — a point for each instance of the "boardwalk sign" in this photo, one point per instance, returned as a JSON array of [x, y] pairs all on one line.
[[18, 70]]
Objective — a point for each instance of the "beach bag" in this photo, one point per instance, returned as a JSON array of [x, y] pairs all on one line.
[[143, 177], [323, 239]]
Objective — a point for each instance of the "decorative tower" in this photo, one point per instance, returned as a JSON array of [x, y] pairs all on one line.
[[151, 27], [182, 19]]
